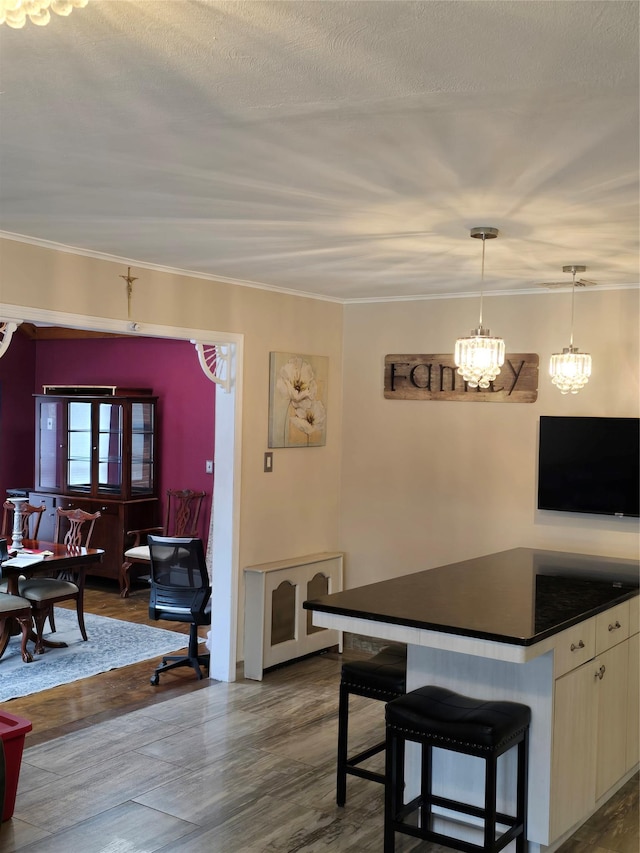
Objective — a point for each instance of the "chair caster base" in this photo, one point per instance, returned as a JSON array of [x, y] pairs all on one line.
[[196, 662]]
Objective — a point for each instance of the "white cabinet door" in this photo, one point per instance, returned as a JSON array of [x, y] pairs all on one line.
[[611, 735], [574, 748], [633, 705]]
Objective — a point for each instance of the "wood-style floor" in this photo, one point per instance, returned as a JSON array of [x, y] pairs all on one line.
[[114, 765], [83, 703]]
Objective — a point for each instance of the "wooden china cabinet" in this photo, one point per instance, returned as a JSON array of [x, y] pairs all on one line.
[[96, 449]]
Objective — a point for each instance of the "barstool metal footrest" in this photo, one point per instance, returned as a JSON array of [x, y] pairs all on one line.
[[353, 762]]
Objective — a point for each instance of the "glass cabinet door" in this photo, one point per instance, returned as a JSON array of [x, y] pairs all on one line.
[[142, 449], [79, 453], [49, 440], [110, 424]]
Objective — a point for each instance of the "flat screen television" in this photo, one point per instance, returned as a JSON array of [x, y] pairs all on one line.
[[589, 465]]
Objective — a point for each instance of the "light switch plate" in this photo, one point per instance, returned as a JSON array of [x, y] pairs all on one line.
[[268, 462]]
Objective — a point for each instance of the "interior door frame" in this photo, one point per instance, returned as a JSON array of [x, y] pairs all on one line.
[[227, 458]]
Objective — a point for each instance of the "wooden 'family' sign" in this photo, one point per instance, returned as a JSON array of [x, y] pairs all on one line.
[[435, 377]]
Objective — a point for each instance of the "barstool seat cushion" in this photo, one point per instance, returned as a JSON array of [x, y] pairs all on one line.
[[443, 715], [385, 672]]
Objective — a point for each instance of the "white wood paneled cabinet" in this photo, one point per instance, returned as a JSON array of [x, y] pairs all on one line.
[[593, 715], [277, 628]]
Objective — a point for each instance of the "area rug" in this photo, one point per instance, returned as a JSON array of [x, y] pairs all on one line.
[[111, 644]]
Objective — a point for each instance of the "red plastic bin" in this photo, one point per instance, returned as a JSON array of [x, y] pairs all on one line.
[[12, 731]]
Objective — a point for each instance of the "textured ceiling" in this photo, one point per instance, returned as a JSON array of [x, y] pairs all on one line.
[[341, 149]]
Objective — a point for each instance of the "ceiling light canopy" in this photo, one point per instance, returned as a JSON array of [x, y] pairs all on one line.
[[480, 356], [14, 13], [570, 370]]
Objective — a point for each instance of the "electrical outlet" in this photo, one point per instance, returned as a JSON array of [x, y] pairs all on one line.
[[268, 462], [208, 466]]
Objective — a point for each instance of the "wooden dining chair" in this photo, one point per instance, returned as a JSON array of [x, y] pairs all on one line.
[[181, 519], [74, 528], [13, 607], [31, 518]]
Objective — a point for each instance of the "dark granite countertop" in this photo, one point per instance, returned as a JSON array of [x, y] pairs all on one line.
[[518, 596]]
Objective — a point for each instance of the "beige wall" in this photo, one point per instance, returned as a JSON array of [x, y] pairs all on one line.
[[400, 485], [427, 483], [293, 510]]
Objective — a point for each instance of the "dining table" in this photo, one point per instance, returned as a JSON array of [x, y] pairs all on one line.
[[38, 557]]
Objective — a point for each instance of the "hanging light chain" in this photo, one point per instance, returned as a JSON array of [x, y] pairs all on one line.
[[573, 303], [484, 240], [483, 233]]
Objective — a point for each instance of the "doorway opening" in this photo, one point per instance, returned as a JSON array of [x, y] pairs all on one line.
[[223, 552]]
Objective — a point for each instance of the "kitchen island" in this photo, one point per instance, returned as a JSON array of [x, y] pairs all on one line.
[[554, 630]]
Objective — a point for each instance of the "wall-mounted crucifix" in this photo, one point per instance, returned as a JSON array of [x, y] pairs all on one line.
[[129, 280]]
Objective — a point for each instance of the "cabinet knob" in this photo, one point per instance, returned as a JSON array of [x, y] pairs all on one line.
[[600, 672], [614, 626], [575, 648]]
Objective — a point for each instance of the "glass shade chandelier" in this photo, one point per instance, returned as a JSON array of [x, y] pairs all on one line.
[[14, 13], [570, 370], [480, 356]]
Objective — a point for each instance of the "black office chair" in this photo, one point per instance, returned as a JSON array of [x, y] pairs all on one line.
[[180, 592]]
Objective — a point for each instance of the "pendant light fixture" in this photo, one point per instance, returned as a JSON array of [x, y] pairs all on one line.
[[480, 356], [570, 370], [14, 13]]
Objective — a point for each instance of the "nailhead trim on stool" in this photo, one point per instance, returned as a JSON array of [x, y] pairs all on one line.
[[438, 717], [382, 677]]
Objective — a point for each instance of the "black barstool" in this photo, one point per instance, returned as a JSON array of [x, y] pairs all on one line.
[[437, 717], [382, 677]]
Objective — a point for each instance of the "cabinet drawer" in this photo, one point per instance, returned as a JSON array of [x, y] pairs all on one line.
[[575, 646], [88, 505], [75, 503], [48, 519], [612, 627]]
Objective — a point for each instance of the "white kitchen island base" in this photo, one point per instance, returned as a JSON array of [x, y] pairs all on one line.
[[565, 755]]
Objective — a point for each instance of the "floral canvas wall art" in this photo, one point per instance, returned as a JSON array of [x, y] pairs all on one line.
[[297, 400]]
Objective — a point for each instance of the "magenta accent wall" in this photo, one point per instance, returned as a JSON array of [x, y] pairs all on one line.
[[17, 430], [186, 398]]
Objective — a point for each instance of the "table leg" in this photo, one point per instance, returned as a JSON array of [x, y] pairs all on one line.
[[44, 644], [40, 617], [16, 625], [5, 635], [25, 626]]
